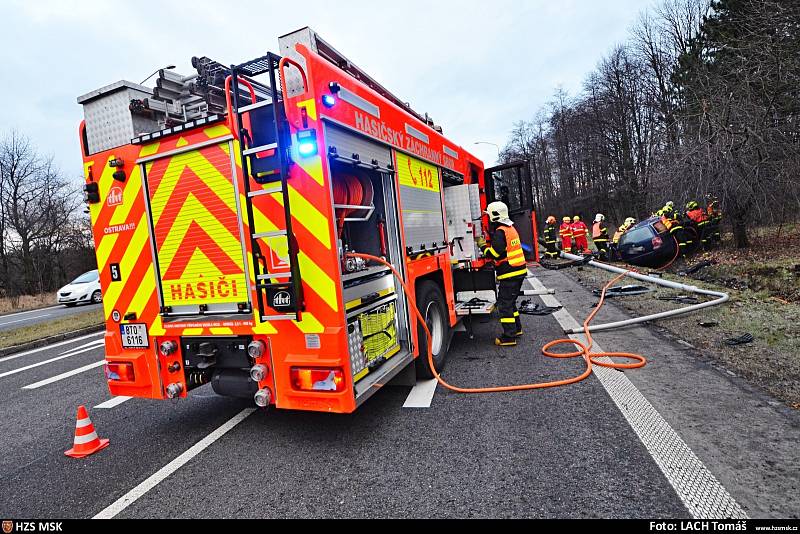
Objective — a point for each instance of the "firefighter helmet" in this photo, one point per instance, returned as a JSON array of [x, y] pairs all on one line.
[[498, 212], [692, 205], [576, 218], [600, 218], [670, 205], [630, 221], [567, 219], [551, 220]]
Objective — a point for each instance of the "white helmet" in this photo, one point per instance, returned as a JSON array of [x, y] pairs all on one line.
[[600, 218], [630, 221], [498, 212]]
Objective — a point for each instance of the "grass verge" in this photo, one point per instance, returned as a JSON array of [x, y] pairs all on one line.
[[26, 302], [771, 362], [71, 323]]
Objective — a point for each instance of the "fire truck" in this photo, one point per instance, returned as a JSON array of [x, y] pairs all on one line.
[[227, 207]]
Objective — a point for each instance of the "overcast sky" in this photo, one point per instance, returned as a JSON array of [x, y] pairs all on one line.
[[475, 66]]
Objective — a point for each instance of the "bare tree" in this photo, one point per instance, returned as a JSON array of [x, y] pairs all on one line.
[[703, 100], [37, 208]]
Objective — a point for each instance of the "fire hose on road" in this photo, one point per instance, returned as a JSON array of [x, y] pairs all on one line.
[[584, 350], [720, 297]]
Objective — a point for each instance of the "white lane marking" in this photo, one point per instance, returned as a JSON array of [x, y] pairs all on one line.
[[421, 395], [23, 320], [62, 376], [156, 478], [90, 345], [48, 347], [51, 360], [112, 403], [699, 490], [29, 311]]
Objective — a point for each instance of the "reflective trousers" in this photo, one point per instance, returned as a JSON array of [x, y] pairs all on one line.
[[507, 294], [602, 247], [581, 243]]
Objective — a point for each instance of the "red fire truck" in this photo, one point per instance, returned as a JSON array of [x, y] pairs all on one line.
[[225, 206]]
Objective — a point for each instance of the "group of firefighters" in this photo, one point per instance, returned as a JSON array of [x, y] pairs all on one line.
[[573, 232], [506, 252]]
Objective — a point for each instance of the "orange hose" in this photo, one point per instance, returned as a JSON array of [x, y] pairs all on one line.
[[585, 350]]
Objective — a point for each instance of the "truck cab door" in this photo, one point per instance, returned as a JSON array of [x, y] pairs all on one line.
[[511, 184]]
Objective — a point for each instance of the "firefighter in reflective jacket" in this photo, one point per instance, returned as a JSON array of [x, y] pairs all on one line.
[[627, 225], [699, 218], [506, 252], [600, 235], [550, 235], [565, 233], [580, 233], [673, 223]]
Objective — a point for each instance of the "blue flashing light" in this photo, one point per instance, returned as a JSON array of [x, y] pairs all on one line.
[[328, 101], [307, 143]]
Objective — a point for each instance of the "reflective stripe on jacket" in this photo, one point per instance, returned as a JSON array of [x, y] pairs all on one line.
[[698, 216], [599, 231], [550, 233], [506, 251], [620, 232], [579, 229]]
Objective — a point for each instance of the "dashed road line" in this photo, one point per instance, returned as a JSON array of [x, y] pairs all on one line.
[[48, 347], [68, 354], [421, 395], [29, 311], [112, 402], [2, 324], [156, 478], [703, 495], [83, 348], [62, 376]]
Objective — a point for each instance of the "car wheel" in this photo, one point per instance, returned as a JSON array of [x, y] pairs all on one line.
[[97, 297], [431, 304]]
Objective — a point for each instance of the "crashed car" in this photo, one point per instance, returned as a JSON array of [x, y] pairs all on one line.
[[648, 244]]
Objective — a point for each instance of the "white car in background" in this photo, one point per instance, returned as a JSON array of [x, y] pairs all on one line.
[[82, 290]]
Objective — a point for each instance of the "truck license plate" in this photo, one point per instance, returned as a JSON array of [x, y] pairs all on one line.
[[134, 336]]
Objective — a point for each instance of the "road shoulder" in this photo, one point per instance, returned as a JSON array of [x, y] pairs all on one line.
[[50, 340], [745, 437]]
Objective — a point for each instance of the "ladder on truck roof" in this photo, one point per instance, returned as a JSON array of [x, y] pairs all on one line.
[[265, 160]]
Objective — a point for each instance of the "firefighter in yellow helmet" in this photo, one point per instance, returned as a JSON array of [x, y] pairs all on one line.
[[565, 233], [629, 223], [506, 252]]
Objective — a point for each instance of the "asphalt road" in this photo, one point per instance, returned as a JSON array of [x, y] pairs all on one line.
[[32, 317], [565, 452]]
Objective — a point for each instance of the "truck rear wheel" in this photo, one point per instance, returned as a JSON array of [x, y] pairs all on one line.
[[431, 304]]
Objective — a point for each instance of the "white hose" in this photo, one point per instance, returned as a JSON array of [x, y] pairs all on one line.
[[720, 297]]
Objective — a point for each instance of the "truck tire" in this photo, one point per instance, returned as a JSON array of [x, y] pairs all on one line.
[[432, 306]]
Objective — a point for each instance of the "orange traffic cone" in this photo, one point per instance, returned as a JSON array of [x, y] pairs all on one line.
[[86, 440]]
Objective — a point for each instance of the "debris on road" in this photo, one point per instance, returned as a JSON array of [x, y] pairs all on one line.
[[624, 291], [744, 339], [696, 268], [751, 310], [529, 308]]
